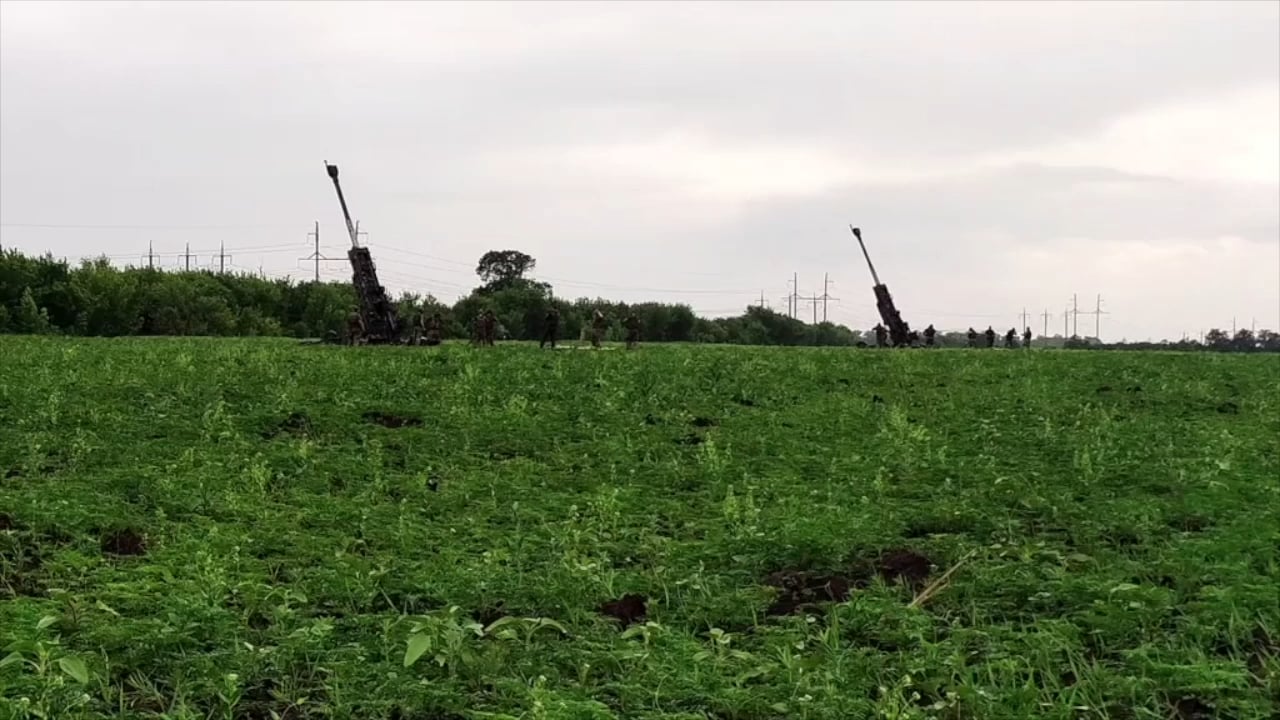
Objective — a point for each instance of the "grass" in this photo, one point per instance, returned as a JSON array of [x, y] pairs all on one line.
[[246, 529]]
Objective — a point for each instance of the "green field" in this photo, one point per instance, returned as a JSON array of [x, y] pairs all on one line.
[[258, 529]]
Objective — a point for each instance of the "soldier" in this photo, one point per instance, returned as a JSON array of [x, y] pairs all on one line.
[[973, 338], [355, 327], [435, 330], [632, 324], [477, 329], [490, 327], [991, 337], [419, 327], [1026, 338], [881, 335], [1011, 338], [929, 333], [913, 339], [550, 328], [598, 324]]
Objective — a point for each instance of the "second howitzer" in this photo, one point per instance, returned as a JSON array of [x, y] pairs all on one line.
[[899, 332], [381, 324]]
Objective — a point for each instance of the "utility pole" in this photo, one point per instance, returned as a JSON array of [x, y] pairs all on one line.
[[1066, 317], [1045, 315], [187, 255], [222, 258], [316, 256], [1097, 320], [814, 303], [1075, 316], [826, 280], [1024, 319], [150, 256], [795, 294]]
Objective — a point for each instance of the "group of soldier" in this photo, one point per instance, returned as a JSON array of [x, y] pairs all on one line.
[[599, 324], [429, 330], [930, 335]]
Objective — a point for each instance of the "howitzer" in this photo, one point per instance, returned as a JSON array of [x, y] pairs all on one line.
[[899, 332], [381, 324]]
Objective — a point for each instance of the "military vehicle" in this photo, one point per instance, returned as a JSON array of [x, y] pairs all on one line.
[[899, 331], [381, 323]]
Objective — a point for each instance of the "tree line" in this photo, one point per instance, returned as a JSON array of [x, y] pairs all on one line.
[[41, 295], [44, 295]]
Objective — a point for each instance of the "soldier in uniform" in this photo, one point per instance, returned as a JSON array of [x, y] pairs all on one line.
[[1026, 338], [490, 327], [477, 329], [913, 339], [598, 324], [550, 328], [882, 335], [435, 329], [929, 332], [973, 338], [991, 337], [632, 324], [355, 327], [1011, 338]]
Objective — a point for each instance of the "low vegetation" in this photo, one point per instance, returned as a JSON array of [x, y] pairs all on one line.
[[250, 529]]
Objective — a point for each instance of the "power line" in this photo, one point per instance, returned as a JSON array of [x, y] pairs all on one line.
[[57, 226]]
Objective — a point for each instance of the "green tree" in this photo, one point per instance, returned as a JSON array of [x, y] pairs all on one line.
[[31, 320]]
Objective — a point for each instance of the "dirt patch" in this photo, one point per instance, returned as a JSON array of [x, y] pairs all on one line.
[[389, 420], [906, 565], [704, 422], [125, 542], [1229, 408], [296, 424], [628, 609], [801, 590], [1193, 708]]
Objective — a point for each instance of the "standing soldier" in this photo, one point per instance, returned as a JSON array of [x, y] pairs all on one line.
[[597, 328], [991, 337], [355, 327], [881, 335], [490, 327], [1011, 338], [632, 324], [477, 329], [550, 328], [435, 329], [419, 326], [929, 333], [973, 338], [1026, 338]]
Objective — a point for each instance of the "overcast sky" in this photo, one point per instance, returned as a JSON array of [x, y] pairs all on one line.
[[996, 155]]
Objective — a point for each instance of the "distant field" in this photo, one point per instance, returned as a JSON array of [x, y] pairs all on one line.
[[247, 529]]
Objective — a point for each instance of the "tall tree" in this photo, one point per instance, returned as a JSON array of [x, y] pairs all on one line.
[[502, 269]]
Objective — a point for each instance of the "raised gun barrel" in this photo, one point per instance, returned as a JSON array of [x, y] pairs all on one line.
[[381, 323], [332, 170], [899, 332]]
